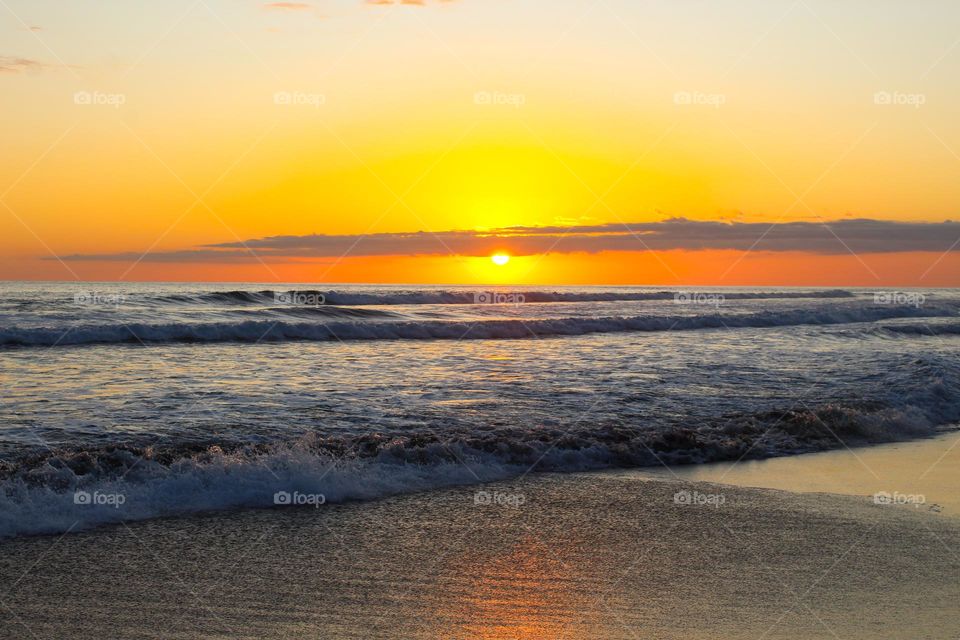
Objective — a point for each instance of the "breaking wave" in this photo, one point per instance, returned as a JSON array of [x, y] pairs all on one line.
[[280, 331], [69, 490]]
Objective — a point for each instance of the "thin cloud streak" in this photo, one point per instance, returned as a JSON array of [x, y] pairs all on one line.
[[287, 6], [14, 64], [862, 236], [413, 3]]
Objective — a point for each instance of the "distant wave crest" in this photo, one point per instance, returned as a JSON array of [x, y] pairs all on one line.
[[453, 296], [279, 331]]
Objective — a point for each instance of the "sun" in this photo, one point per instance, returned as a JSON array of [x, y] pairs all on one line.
[[500, 259]]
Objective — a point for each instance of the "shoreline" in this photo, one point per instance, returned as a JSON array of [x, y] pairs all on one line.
[[596, 554], [612, 554]]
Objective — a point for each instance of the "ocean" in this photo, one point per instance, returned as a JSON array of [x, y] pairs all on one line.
[[132, 401]]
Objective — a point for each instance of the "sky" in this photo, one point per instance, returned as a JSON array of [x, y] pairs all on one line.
[[594, 141]]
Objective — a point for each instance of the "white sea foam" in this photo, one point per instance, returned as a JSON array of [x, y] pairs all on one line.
[[221, 482]]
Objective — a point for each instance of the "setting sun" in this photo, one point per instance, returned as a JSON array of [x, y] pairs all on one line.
[[500, 259]]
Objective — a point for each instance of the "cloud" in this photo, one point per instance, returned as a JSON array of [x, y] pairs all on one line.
[[13, 64], [859, 236], [415, 3], [287, 6]]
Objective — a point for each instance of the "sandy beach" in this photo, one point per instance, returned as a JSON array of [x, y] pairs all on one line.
[[597, 555]]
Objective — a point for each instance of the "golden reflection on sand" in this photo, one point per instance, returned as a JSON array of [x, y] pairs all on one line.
[[521, 591]]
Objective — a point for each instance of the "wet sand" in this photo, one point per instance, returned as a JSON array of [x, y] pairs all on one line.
[[928, 470], [602, 555]]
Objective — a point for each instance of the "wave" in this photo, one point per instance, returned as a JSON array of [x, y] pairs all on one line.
[[932, 329], [222, 297], [320, 311], [355, 298], [280, 331], [62, 491]]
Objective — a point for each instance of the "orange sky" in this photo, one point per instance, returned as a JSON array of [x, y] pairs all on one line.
[[171, 127], [708, 268]]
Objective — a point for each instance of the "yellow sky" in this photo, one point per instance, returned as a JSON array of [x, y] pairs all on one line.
[[163, 128]]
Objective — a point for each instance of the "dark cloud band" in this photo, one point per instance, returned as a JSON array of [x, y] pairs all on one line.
[[859, 236]]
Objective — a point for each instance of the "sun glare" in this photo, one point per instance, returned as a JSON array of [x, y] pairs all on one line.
[[500, 259]]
